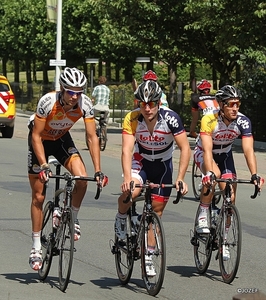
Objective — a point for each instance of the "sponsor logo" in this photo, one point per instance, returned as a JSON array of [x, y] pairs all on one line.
[[171, 120], [36, 168], [72, 150], [243, 123], [151, 138]]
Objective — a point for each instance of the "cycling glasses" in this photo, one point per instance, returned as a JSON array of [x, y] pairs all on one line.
[[151, 104], [232, 104], [73, 93]]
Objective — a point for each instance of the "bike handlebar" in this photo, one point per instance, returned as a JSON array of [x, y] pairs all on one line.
[[231, 181], [68, 177], [151, 185]]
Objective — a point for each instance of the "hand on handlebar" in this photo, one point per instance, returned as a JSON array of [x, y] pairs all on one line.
[[44, 174], [257, 180], [102, 180], [208, 179]]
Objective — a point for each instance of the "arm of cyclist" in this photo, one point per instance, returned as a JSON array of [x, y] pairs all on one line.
[[94, 149], [248, 149], [37, 145], [128, 141], [185, 153]]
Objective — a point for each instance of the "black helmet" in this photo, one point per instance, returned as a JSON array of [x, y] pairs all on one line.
[[148, 91], [227, 92]]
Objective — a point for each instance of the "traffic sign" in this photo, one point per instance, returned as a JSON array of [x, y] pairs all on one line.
[[58, 62]]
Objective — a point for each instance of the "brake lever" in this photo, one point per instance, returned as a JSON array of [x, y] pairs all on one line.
[[179, 194], [129, 197]]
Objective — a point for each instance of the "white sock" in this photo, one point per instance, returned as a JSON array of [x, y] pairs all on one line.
[[36, 240], [75, 212], [123, 216], [203, 210]]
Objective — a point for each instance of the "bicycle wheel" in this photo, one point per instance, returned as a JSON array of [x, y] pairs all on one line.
[[102, 137], [230, 243], [196, 181], [46, 240], [65, 247], [202, 247], [153, 261], [124, 260]]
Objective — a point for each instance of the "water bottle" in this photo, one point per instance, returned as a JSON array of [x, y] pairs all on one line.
[[56, 217]]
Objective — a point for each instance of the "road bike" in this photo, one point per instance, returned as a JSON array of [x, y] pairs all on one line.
[[101, 131], [225, 234], [142, 231], [59, 240], [197, 185]]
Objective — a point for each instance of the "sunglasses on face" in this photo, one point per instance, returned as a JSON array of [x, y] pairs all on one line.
[[73, 93], [151, 104], [232, 104]]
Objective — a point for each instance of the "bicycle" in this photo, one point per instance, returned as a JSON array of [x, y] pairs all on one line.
[[225, 235], [197, 185], [101, 131], [141, 230], [59, 241]]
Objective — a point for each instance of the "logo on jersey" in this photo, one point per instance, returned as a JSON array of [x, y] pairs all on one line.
[[243, 123], [171, 120]]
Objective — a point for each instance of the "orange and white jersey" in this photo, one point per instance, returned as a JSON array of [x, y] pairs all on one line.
[[50, 110]]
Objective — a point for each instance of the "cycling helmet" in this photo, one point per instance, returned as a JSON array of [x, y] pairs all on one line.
[[150, 75], [148, 91], [203, 85], [72, 77], [227, 92]]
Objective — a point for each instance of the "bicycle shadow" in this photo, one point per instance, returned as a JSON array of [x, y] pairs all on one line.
[[189, 271], [30, 278], [135, 285]]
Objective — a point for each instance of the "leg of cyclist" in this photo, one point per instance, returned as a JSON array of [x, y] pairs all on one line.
[[205, 200]]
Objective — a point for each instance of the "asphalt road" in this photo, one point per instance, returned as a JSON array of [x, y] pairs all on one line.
[[93, 274]]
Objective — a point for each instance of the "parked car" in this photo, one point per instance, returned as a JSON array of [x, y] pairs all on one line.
[[7, 108]]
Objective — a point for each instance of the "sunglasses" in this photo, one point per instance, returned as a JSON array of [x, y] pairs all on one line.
[[232, 104], [151, 104], [73, 93]]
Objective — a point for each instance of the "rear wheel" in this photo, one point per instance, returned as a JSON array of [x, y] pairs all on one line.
[[124, 260], [47, 240], [102, 137], [230, 243], [66, 248], [202, 247], [153, 253]]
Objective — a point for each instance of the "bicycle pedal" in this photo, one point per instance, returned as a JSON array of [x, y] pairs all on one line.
[[74, 249], [194, 242]]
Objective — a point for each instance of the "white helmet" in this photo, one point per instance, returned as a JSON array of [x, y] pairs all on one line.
[[72, 77]]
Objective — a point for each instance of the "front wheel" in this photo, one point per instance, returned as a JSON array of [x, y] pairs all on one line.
[[230, 243], [196, 181], [47, 240], [65, 247], [202, 247], [124, 260], [153, 253]]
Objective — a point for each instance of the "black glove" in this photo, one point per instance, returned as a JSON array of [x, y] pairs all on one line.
[[257, 178]]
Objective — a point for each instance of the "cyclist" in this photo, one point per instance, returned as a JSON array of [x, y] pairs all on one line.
[[100, 99], [49, 135], [201, 101], [150, 75], [148, 137], [213, 151]]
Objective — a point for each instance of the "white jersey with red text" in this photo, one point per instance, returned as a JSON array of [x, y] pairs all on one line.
[[160, 144]]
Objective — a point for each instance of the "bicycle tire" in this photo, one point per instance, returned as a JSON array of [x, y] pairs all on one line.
[[202, 247], [46, 240], [65, 247], [197, 185], [124, 259], [153, 222], [196, 181], [102, 137], [233, 240]]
